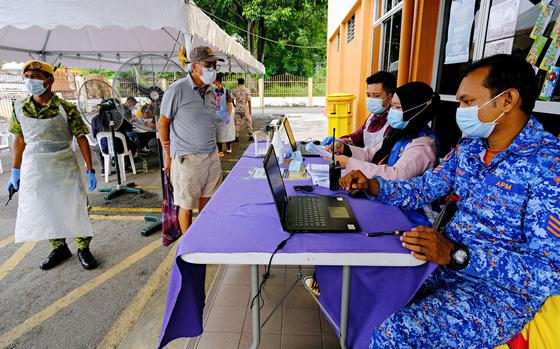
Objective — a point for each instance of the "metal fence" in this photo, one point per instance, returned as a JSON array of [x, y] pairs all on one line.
[[251, 82], [284, 85], [12, 87]]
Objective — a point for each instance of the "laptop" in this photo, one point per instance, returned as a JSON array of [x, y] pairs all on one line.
[[296, 146], [307, 213]]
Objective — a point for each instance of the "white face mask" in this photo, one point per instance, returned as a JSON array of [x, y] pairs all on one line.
[[208, 75]]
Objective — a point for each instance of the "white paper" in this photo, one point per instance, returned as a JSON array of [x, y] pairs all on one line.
[[502, 20], [498, 46], [313, 148], [461, 20]]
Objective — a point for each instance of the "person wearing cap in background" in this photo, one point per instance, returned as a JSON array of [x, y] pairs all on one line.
[[243, 111], [52, 197], [187, 129]]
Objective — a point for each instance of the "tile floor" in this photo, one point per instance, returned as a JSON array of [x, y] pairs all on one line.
[[297, 324]]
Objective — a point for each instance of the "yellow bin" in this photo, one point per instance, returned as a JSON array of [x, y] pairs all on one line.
[[340, 113]]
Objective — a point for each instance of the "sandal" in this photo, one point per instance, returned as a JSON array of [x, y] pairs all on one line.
[[312, 285]]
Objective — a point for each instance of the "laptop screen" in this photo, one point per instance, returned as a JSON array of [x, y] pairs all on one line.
[[291, 138], [276, 183]]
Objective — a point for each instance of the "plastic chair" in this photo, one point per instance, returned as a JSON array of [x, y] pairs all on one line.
[[5, 144], [120, 157]]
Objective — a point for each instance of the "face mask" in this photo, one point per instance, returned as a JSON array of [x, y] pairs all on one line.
[[214, 86], [395, 117], [469, 123], [35, 86], [375, 105], [208, 76]]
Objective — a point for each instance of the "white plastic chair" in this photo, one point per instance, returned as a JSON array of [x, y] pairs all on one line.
[[120, 157], [5, 144]]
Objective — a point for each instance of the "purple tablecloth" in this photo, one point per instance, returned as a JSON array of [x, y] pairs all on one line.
[[241, 217]]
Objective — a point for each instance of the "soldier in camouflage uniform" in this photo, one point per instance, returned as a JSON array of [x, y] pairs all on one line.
[[242, 97], [52, 199], [499, 256]]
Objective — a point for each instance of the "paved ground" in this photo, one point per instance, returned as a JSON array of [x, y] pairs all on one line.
[[68, 307]]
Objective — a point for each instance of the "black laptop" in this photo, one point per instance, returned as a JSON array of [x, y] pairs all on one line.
[[307, 213], [296, 146]]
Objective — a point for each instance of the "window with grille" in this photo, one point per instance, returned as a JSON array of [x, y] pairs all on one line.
[[350, 29], [338, 42]]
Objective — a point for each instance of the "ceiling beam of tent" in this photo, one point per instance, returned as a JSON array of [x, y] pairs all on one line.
[[15, 49], [45, 44], [176, 40]]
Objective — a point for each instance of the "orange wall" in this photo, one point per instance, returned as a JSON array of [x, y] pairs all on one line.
[[348, 68], [424, 40]]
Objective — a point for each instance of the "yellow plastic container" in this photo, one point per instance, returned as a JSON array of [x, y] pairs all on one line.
[[340, 112]]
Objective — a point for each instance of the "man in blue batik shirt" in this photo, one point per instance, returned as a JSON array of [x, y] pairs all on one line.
[[499, 256]]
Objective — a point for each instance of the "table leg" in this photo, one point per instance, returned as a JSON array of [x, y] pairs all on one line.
[[344, 306], [256, 314]]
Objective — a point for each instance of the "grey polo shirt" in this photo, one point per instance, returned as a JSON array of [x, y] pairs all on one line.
[[193, 117]]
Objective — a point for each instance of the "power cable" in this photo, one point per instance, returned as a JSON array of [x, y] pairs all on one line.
[[266, 274], [256, 35]]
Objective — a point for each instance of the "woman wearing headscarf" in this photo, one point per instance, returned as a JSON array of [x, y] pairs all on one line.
[[409, 148]]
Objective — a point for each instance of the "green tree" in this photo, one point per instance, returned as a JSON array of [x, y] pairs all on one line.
[[290, 22]]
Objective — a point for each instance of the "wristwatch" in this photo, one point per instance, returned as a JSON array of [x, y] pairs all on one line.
[[91, 171], [460, 257]]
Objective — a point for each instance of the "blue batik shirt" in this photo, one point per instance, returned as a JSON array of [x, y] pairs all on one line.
[[508, 214]]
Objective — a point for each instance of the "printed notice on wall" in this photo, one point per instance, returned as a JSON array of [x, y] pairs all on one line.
[[498, 47], [459, 31], [502, 20]]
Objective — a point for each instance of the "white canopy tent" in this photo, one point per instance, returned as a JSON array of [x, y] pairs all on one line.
[[105, 33]]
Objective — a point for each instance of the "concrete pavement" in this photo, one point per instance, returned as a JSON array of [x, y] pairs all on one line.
[[69, 307]]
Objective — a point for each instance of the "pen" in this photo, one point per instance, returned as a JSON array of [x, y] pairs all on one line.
[[396, 232]]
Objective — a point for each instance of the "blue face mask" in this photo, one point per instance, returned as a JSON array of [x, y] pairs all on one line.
[[395, 117], [375, 105], [35, 86], [469, 123]]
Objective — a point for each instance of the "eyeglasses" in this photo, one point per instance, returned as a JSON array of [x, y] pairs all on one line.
[[210, 66]]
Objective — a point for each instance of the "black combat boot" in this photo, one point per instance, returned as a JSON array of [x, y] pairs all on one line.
[[86, 259], [57, 256]]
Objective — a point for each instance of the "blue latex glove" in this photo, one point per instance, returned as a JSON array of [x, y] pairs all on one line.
[[92, 182], [14, 180], [328, 141]]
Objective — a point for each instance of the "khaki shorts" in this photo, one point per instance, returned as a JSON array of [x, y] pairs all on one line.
[[193, 177]]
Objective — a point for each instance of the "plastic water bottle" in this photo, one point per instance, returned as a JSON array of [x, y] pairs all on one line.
[[145, 166]]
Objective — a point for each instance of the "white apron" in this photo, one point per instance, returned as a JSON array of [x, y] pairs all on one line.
[[224, 132], [52, 201], [372, 139]]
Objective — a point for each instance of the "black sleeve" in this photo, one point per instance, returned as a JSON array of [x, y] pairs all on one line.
[[347, 151]]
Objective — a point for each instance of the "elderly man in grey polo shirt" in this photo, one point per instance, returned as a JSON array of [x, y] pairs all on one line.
[[188, 135]]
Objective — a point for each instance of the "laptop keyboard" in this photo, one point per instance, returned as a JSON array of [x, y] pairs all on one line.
[[308, 212]]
